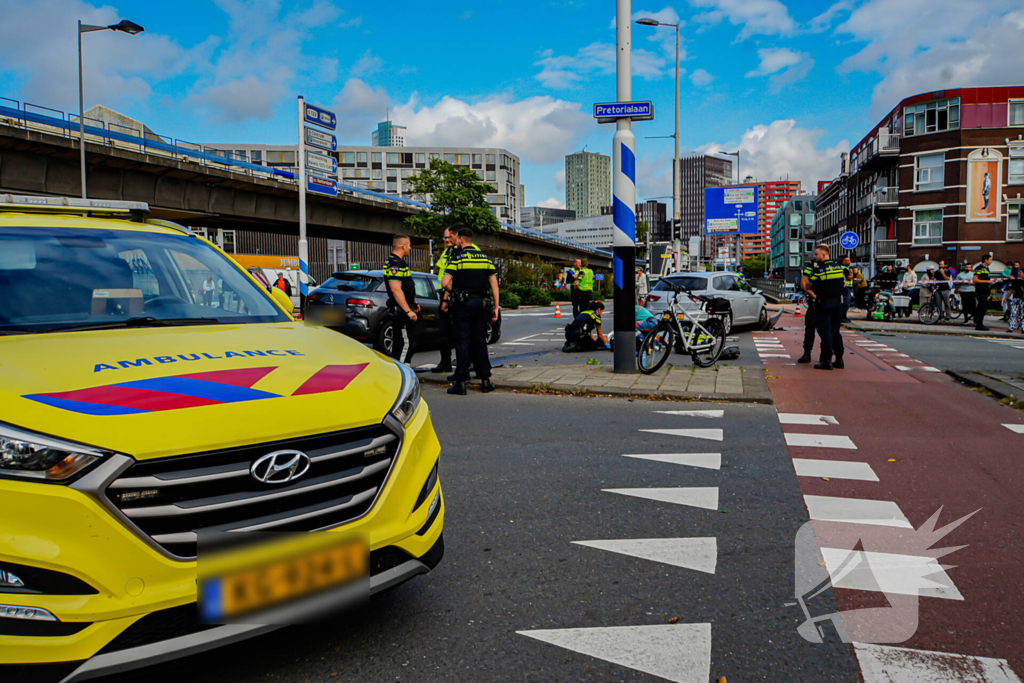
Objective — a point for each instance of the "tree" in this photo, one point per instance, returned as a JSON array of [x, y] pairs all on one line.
[[754, 266], [456, 194], [641, 231]]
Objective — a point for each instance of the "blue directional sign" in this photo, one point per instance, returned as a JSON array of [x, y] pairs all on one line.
[[730, 210], [849, 240], [315, 183], [606, 112], [320, 116], [321, 162], [316, 138]]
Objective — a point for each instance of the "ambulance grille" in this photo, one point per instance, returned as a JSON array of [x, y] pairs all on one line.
[[171, 499]]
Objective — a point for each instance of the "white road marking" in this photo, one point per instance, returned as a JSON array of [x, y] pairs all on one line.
[[774, 355], [705, 497], [887, 664], [1015, 428], [924, 368], [834, 469], [693, 413], [675, 652], [856, 511], [516, 344], [889, 573], [820, 441], [528, 337], [708, 461], [699, 554], [806, 419], [709, 434]]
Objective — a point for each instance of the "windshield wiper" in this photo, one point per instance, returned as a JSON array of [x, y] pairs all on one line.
[[141, 321]]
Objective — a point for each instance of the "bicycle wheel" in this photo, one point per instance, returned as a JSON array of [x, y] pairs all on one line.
[[708, 351], [954, 306], [655, 349], [929, 314]]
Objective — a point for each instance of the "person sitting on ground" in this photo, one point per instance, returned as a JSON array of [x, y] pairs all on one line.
[[580, 333]]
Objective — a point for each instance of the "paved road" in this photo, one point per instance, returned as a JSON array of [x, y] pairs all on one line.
[[524, 479], [959, 352]]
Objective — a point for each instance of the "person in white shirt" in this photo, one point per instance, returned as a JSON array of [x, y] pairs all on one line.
[[641, 287], [909, 284], [965, 285]]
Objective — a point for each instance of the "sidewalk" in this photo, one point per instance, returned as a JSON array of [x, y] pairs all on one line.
[[724, 383], [998, 327], [1002, 385]]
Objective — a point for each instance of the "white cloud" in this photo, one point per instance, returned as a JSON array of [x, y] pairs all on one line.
[[552, 203], [359, 107], [367, 64], [757, 17], [560, 180], [700, 78], [782, 65], [823, 21], [782, 149], [664, 36], [953, 43], [596, 59]]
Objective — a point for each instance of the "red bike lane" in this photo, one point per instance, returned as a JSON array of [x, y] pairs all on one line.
[[879, 448]]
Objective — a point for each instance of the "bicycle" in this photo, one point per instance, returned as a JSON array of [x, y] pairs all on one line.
[[704, 343], [929, 312]]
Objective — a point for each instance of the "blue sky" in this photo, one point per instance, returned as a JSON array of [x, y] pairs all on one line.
[[791, 84]]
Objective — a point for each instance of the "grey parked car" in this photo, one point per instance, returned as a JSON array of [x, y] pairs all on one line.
[[746, 307], [355, 303]]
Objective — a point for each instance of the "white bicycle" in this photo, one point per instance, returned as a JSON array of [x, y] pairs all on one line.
[[704, 342]]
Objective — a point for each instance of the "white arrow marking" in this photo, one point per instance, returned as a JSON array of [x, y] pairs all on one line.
[[693, 413], [1015, 428], [676, 652], [709, 434], [708, 461], [705, 497], [699, 554]]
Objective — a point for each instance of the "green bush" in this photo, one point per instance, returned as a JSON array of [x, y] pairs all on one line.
[[509, 299], [560, 295], [530, 295]]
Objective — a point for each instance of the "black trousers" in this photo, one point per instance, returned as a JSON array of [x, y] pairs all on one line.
[[826, 321], [447, 337], [470, 323], [968, 303], [809, 330], [402, 322], [981, 305], [575, 303], [582, 340], [582, 301]]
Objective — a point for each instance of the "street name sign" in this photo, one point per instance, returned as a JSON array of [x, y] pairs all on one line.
[[849, 240], [607, 112], [315, 183], [316, 138], [320, 116], [321, 162]]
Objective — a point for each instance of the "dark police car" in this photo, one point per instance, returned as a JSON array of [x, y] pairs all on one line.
[[355, 302]]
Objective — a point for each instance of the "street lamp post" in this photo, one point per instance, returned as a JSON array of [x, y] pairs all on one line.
[[124, 26], [676, 184]]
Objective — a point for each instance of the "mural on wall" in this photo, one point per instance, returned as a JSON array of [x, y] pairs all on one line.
[[984, 186]]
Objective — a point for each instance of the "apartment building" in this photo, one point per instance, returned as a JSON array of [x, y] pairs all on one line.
[[696, 174], [941, 176], [771, 196], [588, 183], [792, 237], [654, 214], [388, 135]]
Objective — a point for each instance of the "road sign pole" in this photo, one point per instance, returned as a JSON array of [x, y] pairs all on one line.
[[303, 244], [624, 200]]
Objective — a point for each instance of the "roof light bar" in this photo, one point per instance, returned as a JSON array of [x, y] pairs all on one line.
[[21, 202]]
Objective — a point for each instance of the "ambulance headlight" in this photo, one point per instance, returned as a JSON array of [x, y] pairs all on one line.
[[408, 397], [25, 455]]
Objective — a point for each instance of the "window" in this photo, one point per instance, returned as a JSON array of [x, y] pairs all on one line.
[[1017, 112], [1014, 227], [490, 158], [931, 117], [794, 233], [809, 247], [421, 158], [1016, 164], [375, 157], [796, 219], [378, 174], [361, 157], [394, 158], [256, 156], [450, 158], [808, 219], [930, 171], [392, 186], [725, 283], [794, 246], [794, 261], [478, 158], [228, 237], [928, 227], [435, 155], [348, 157], [423, 289], [491, 175]]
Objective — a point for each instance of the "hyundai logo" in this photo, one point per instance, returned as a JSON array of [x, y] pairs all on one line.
[[280, 467]]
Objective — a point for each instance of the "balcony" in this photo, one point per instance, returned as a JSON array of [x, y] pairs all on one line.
[[885, 146], [890, 199], [885, 249]]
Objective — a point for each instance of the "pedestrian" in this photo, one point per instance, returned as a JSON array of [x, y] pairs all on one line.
[[471, 275], [447, 331], [965, 285], [1016, 301], [572, 280], [282, 283], [401, 298], [943, 282], [642, 288], [847, 287], [827, 292], [584, 332], [982, 288], [908, 283], [208, 289], [805, 286], [860, 288], [1009, 272], [585, 286]]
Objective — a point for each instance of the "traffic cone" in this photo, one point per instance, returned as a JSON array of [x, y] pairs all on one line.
[[558, 310], [797, 314]]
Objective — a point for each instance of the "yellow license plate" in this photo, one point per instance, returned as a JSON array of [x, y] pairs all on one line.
[[285, 580]]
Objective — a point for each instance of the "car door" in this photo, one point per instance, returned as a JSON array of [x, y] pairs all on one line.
[[430, 307]]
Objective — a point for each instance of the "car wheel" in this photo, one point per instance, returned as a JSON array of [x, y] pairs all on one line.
[[762, 319], [726, 319], [385, 342]]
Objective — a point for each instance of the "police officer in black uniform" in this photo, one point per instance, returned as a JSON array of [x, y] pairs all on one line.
[[805, 285], [579, 334], [470, 277], [445, 316], [572, 280], [982, 289], [827, 282], [401, 297]]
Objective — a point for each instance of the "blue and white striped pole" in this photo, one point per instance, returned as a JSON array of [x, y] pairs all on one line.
[[303, 243], [624, 200]]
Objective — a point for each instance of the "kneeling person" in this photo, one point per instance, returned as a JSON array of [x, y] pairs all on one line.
[[580, 333]]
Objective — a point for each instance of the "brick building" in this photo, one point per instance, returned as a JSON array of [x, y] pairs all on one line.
[[772, 195]]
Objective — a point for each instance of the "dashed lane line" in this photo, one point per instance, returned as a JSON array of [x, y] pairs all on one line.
[[834, 469], [820, 441], [856, 511], [694, 413], [923, 368], [889, 573], [806, 419]]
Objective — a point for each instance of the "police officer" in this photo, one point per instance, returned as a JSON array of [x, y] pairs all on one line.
[[401, 297], [982, 289], [827, 282], [585, 286], [469, 277], [579, 334], [805, 285], [572, 279], [445, 317]]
